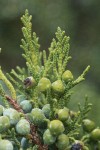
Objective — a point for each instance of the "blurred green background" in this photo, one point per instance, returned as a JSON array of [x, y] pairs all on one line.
[[81, 21]]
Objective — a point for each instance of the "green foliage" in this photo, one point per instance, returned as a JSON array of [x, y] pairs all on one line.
[[41, 93]]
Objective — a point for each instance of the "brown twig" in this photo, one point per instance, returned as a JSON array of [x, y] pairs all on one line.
[[14, 104], [34, 136], [36, 139]]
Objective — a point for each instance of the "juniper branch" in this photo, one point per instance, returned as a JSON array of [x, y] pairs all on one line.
[[8, 84]]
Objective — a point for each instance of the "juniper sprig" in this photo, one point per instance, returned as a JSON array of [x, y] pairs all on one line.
[[34, 112]]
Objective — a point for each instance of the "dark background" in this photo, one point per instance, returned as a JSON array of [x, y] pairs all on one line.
[[81, 21]]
